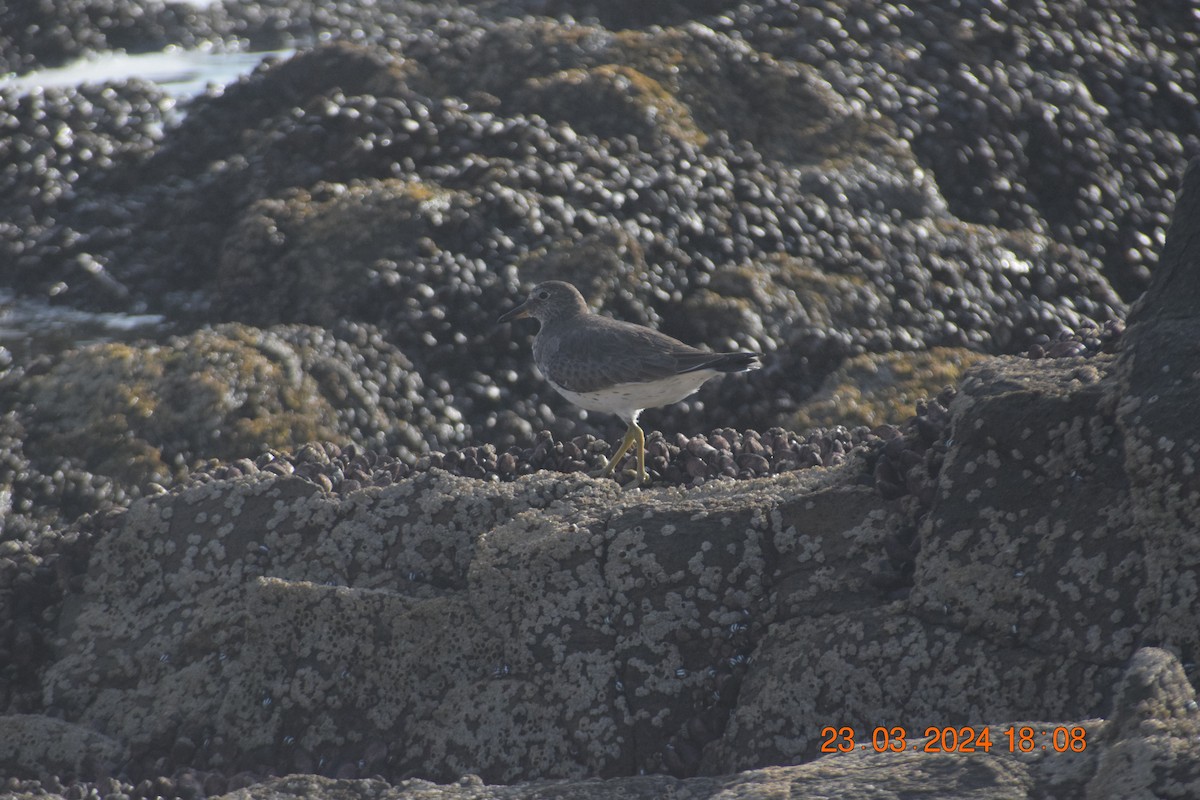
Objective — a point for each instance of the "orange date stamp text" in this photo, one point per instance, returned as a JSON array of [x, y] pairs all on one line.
[[961, 739]]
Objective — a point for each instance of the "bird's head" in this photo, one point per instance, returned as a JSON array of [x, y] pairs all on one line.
[[548, 301]]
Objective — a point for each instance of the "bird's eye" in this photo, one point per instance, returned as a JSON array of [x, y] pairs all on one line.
[[543, 295]]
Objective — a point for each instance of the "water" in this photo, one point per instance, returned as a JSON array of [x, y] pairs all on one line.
[[182, 73], [30, 327]]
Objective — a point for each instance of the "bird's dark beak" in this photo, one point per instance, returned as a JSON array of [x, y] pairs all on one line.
[[520, 312]]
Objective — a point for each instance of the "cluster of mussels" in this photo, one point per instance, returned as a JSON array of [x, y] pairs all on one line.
[[186, 785], [671, 460], [903, 460], [1088, 340]]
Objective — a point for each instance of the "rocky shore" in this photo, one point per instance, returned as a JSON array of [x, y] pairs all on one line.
[[331, 535]]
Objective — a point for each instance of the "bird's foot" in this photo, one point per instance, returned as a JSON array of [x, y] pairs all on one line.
[[628, 478], [638, 480]]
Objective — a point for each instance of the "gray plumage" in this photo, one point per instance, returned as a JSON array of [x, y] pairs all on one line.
[[588, 352], [604, 364], [584, 352]]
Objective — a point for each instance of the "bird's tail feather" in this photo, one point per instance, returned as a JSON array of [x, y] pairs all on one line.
[[730, 362]]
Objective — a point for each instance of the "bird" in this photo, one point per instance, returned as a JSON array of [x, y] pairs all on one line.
[[604, 364]]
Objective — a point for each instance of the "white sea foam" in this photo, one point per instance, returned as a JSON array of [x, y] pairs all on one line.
[[30, 325], [183, 73]]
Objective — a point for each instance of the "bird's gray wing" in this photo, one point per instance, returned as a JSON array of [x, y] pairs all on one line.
[[603, 352]]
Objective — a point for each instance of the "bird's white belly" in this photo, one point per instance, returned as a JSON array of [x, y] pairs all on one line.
[[626, 399]]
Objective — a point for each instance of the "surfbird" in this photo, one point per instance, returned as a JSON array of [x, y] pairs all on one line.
[[603, 364]]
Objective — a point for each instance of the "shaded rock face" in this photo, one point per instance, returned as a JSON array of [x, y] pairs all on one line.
[[1155, 724], [1023, 600], [41, 747], [1161, 435], [1144, 750], [1023, 441]]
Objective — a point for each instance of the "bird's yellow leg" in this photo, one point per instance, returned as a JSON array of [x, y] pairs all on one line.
[[633, 436], [642, 477], [630, 436]]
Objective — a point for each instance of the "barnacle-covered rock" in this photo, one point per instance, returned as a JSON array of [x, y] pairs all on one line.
[[453, 609]]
